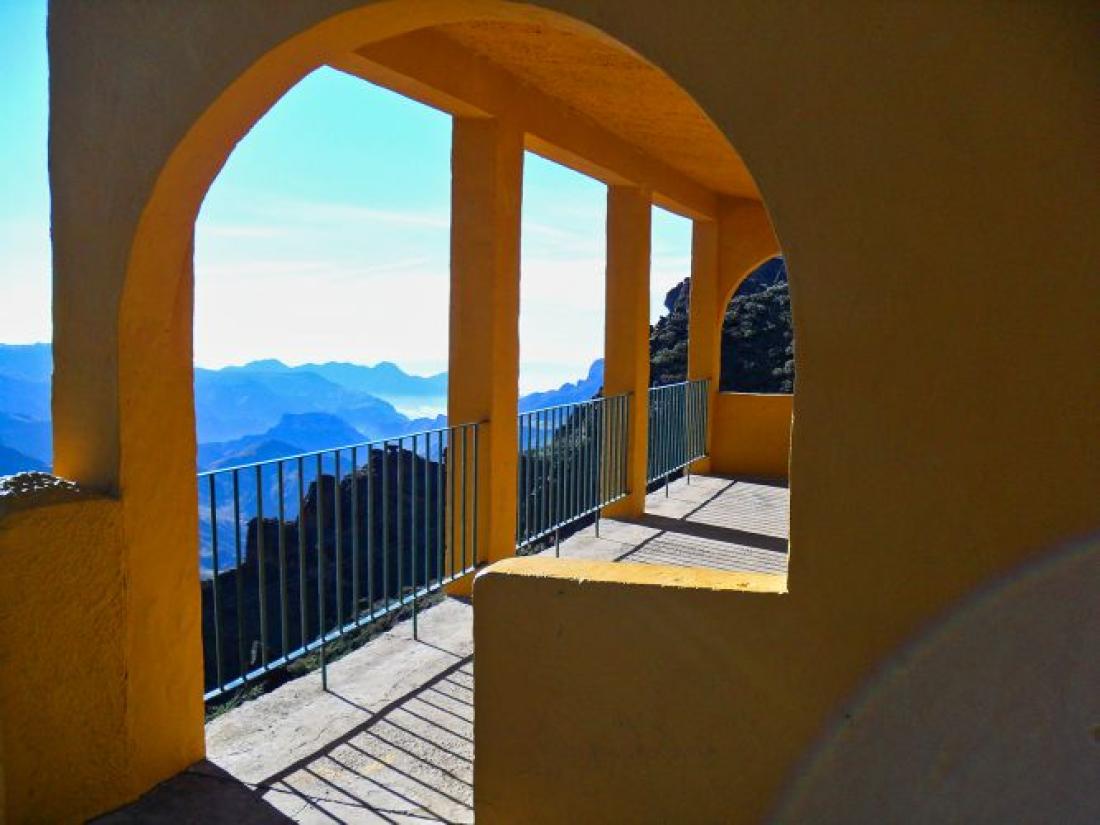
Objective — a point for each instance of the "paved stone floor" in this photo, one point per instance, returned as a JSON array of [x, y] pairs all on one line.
[[727, 524], [392, 738], [391, 741]]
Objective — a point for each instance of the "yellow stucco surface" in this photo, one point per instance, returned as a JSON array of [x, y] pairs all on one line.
[[626, 331], [752, 434], [483, 378], [927, 168], [62, 604]]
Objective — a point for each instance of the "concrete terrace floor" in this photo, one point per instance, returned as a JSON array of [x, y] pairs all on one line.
[[392, 738], [721, 523]]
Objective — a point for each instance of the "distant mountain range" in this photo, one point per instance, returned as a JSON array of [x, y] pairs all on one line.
[[238, 401], [13, 461], [582, 390], [260, 410], [294, 433], [384, 379], [267, 409]]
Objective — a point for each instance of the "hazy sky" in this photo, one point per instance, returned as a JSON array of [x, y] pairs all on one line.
[[326, 235]]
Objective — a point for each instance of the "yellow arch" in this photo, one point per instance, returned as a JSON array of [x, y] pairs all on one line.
[[108, 445]]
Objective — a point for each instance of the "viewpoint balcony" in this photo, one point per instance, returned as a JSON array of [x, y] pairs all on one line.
[[392, 738]]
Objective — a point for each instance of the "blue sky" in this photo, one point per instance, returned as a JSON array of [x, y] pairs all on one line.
[[326, 235]]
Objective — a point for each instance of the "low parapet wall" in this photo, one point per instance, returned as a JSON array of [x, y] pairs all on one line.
[[751, 434], [611, 692], [62, 669]]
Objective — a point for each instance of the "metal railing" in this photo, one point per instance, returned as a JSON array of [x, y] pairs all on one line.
[[677, 428], [299, 551], [572, 462]]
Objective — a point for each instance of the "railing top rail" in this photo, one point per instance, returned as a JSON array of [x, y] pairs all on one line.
[[577, 403], [356, 446], [680, 384]]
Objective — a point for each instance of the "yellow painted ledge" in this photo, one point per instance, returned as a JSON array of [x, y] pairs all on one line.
[[653, 575]]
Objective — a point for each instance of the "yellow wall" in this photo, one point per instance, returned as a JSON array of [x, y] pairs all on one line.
[[653, 695], [61, 606], [928, 170], [752, 434]]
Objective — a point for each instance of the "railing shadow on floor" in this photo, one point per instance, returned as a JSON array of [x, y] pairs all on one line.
[[681, 530], [712, 532], [411, 759]]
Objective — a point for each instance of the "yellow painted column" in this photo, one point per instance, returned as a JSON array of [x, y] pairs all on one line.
[[626, 337], [483, 385], [704, 335]]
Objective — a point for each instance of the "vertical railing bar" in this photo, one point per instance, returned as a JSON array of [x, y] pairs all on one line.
[[476, 549], [412, 533], [581, 440], [608, 441], [565, 460], [555, 467], [586, 457], [355, 594], [238, 577], [666, 461], [439, 508], [570, 452], [654, 423], [519, 480], [572, 439], [465, 511], [545, 452], [535, 457], [601, 458], [261, 573], [529, 469], [681, 433], [624, 444], [427, 512], [567, 463], [598, 480], [667, 424], [689, 430], [550, 469], [399, 518], [370, 533], [590, 458], [284, 606], [555, 474], [338, 538], [385, 526], [659, 422], [303, 607], [584, 442], [539, 476], [321, 568], [620, 425], [649, 474], [215, 596], [452, 492]]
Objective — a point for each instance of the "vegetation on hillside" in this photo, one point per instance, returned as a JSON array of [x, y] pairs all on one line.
[[757, 336]]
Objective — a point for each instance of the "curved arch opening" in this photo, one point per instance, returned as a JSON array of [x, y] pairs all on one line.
[[758, 334], [515, 78]]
